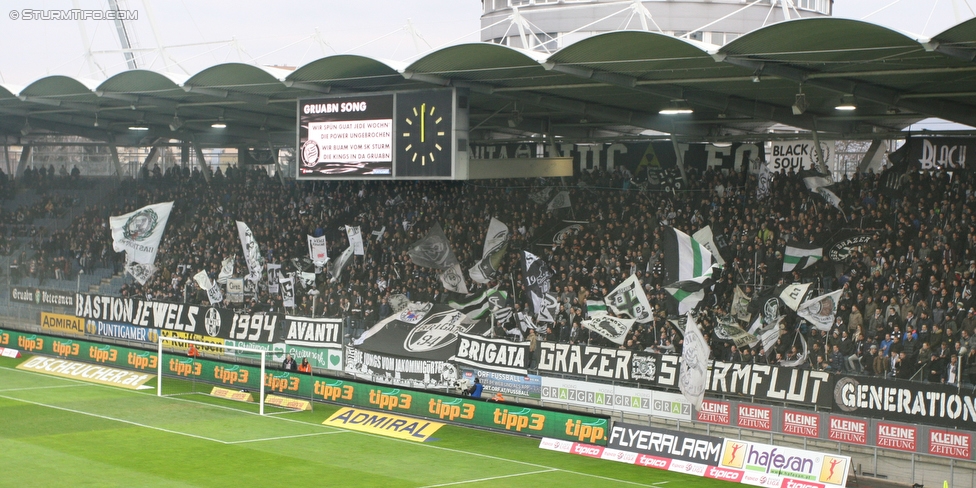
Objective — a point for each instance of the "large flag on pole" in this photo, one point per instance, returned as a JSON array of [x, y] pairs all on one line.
[[496, 242], [336, 267], [212, 288], [138, 235], [453, 279], [629, 299], [690, 292], [705, 238], [433, 250], [798, 256], [694, 364], [561, 200], [355, 239], [820, 311], [613, 328], [537, 274], [317, 250], [287, 290], [684, 258], [252, 253], [226, 270]]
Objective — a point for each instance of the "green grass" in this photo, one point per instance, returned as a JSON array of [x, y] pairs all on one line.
[[61, 432]]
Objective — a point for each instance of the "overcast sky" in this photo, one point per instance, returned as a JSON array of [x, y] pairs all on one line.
[[201, 33]]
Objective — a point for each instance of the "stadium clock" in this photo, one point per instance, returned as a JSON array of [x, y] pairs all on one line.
[[424, 133]]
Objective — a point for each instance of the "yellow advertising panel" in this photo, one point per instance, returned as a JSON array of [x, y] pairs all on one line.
[[62, 324], [236, 395], [385, 424], [288, 402], [92, 373]]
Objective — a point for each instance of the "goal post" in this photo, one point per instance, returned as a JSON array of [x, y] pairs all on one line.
[[175, 341]]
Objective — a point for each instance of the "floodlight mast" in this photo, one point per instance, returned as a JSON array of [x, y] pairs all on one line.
[[130, 59]]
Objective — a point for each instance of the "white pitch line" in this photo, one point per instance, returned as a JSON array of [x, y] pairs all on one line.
[[377, 436], [491, 478], [287, 437], [105, 417], [42, 387]]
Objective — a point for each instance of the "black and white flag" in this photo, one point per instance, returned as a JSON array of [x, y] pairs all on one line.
[[694, 364], [287, 290], [537, 275], [821, 311], [355, 239], [561, 200], [317, 250], [433, 250], [540, 196], [226, 270], [629, 299], [613, 328], [252, 253], [453, 280], [336, 267], [212, 288], [550, 307], [274, 275], [138, 234], [496, 242]]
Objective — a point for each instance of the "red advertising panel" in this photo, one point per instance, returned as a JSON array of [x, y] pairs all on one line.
[[848, 430], [715, 412], [898, 437], [752, 417], [951, 444], [801, 423]]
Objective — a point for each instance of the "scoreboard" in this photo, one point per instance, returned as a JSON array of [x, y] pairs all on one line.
[[400, 135]]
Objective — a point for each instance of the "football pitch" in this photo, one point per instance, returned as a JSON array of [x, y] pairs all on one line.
[[63, 432]]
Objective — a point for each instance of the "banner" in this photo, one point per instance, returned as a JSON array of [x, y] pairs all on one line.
[[235, 290], [355, 240], [493, 354], [533, 421], [934, 153], [528, 385], [41, 296], [400, 371], [138, 233], [583, 360], [795, 156], [430, 332], [318, 251], [666, 444], [117, 330], [86, 372], [760, 381], [629, 299], [826, 470], [658, 404], [318, 357], [62, 324], [252, 253], [906, 401], [213, 322], [304, 331]]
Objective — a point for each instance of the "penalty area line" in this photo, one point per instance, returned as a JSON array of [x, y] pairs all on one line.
[[105, 417], [491, 478], [286, 437], [43, 387]]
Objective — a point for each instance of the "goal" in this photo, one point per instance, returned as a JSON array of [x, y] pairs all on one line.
[[175, 351]]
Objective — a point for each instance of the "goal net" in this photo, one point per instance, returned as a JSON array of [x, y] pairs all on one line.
[[186, 366]]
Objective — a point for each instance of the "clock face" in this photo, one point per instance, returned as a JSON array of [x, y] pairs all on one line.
[[424, 133]]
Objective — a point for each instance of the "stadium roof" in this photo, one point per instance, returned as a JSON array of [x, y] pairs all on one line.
[[606, 86]]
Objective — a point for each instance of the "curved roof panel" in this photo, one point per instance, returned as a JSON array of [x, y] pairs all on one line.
[[822, 40], [342, 67], [142, 81], [59, 86], [239, 77]]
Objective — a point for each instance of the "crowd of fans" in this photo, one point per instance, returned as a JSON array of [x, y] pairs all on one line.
[[906, 311]]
